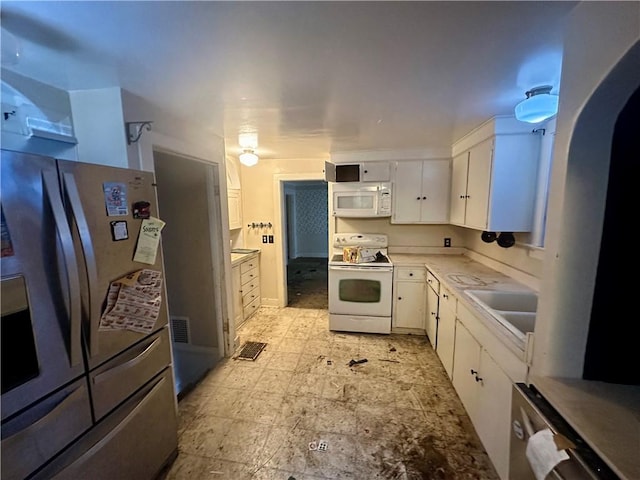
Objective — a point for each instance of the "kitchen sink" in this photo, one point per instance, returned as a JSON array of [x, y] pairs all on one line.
[[514, 310], [506, 300], [523, 321], [244, 250]]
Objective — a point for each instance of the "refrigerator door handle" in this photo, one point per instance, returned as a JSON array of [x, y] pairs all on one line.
[[95, 301], [50, 184]]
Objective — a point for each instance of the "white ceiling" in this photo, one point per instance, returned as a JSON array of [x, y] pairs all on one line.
[[312, 78]]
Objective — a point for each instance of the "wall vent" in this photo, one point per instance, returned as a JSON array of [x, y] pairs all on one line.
[[180, 329]]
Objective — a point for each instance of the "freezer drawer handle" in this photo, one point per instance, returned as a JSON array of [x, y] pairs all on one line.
[[129, 364], [95, 301], [50, 184], [40, 425], [87, 454]]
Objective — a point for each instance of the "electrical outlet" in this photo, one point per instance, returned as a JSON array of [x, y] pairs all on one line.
[[270, 238], [264, 239], [447, 242]]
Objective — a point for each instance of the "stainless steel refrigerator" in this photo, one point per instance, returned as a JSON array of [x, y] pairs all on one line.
[[87, 382]]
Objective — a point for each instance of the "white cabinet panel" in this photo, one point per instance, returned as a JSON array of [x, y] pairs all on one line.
[[375, 171], [493, 183], [421, 191], [409, 298], [485, 391], [431, 316], [446, 329], [235, 209], [409, 305]]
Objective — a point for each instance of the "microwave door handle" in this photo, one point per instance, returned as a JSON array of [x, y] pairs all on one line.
[[52, 191], [73, 195]]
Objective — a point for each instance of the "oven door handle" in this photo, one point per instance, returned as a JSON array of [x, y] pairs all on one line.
[[345, 268]]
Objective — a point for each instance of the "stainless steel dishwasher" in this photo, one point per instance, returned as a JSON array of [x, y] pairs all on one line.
[[530, 413]]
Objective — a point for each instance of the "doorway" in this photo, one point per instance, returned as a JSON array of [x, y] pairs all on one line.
[[189, 203], [306, 243]]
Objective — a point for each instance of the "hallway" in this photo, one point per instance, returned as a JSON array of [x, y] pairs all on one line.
[[307, 282], [395, 416]]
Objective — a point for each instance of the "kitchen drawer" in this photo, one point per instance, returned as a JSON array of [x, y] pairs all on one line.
[[134, 442], [248, 276], [410, 273], [250, 296], [117, 379], [250, 285], [248, 265], [433, 282], [251, 308], [33, 437]]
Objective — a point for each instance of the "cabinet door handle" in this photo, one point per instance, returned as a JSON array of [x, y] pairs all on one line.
[[424, 198], [399, 298], [417, 198], [478, 379], [462, 197], [474, 372], [444, 295], [411, 274]]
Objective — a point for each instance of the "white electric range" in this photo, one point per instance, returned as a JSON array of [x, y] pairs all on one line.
[[360, 294]]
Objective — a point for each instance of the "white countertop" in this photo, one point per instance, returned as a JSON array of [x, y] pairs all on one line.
[[237, 258], [459, 273]]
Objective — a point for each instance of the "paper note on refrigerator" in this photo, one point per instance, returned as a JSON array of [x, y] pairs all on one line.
[[133, 302], [148, 240]]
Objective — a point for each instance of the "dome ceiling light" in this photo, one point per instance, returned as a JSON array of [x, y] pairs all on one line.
[[248, 158], [539, 105]]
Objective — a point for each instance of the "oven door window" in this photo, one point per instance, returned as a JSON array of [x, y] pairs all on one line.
[[19, 358], [360, 290]]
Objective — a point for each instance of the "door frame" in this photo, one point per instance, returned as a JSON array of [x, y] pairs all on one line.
[[279, 202], [217, 238]]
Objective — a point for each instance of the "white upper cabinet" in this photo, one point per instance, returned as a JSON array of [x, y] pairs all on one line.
[[375, 171], [421, 191], [494, 175]]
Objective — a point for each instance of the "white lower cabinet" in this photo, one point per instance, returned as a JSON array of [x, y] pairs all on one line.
[[485, 391], [410, 298], [246, 288], [431, 315], [237, 295], [446, 329]]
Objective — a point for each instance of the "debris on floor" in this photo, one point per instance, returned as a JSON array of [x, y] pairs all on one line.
[[353, 362]]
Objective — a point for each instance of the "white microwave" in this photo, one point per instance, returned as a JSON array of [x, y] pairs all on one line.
[[361, 200]]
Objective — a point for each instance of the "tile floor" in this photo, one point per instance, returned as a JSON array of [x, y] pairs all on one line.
[[396, 416]]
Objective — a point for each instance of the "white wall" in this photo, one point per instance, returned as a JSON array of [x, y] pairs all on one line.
[[599, 35], [99, 125]]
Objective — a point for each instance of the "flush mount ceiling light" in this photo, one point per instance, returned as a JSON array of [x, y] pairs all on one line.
[[248, 158], [538, 106]]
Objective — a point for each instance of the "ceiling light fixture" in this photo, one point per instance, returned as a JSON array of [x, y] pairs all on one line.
[[248, 158], [538, 106]]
